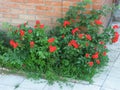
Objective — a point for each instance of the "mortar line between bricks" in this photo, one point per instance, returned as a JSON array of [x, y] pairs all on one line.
[[109, 72]]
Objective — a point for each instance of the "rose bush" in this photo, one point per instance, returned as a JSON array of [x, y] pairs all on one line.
[[82, 46], [75, 49], [30, 49]]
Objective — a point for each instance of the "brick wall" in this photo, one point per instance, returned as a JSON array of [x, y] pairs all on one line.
[[47, 11]]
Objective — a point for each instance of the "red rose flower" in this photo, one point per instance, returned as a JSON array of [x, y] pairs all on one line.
[[116, 34], [87, 55], [104, 53], [74, 31], [115, 27], [101, 42], [105, 46], [22, 33], [91, 64], [116, 37], [37, 22], [98, 61], [95, 56], [98, 22], [29, 31], [80, 36], [51, 40], [32, 43], [114, 40], [13, 44], [66, 23], [52, 48], [88, 37], [73, 43], [63, 36], [42, 26]]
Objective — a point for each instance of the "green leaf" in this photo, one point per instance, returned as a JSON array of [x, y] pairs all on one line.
[[41, 55]]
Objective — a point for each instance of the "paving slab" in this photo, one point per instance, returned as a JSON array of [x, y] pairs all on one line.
[[32, 84], [112, 83], [117, 63], [3, 87], [114, 47], [115, 72], [116, 15], [103, 88], [113, 55], [0, 75], [11, 80], [23, 89], [86, 87], [98, 79], [56, 86]]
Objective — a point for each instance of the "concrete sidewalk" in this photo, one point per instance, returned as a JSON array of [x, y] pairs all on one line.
[[109, 79]]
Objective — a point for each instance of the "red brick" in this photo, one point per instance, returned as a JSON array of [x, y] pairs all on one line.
[[10, 15], [9, 5], [97, 1], [1, 15], [18, 1], [96, 6], [43, 8], [66, 3], [52, 14], [27, 17], [26, 6], [44, 20], [4, 10], [51, 3], [65, 9], [5, 20], [57, 9], [48, 11], [18, 21], [18, 11], [35, 1], [89, 6], [36, 12]]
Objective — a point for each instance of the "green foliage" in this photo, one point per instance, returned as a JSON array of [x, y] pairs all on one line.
[[28, 49], [89, 35], [76, 48]]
